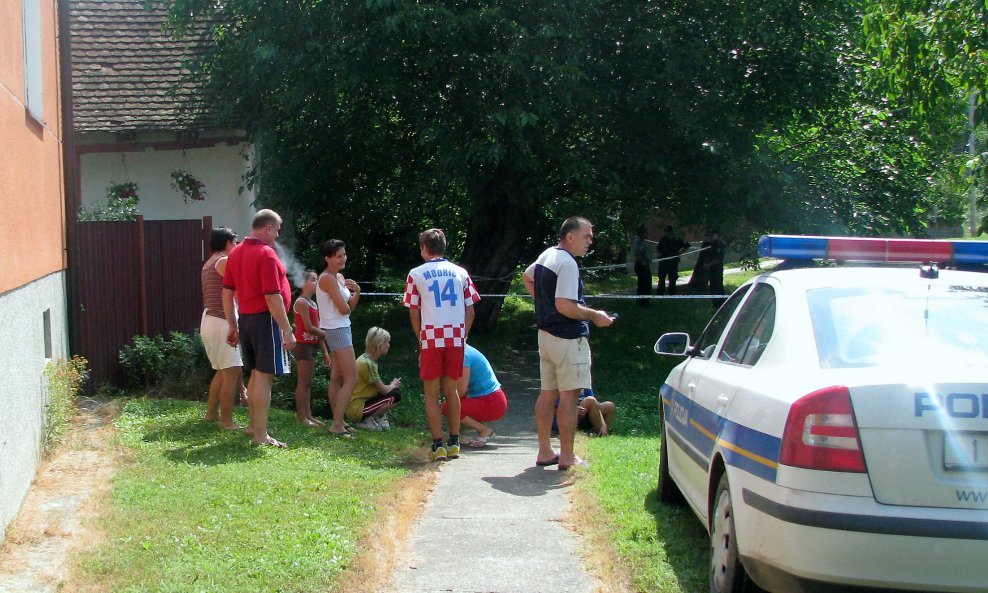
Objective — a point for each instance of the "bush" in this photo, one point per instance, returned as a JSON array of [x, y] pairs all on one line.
[[173, 367], [64, 379]]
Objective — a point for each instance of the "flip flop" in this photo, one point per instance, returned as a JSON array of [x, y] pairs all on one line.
[[479, 441], [343, 435], [552, 461], [271, 442], [579, 463]]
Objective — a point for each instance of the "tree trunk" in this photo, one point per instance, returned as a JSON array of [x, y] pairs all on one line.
[[501, 229]]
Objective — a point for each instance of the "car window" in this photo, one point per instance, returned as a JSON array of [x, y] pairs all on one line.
[[752, 328], [863, 327], [707, 341]]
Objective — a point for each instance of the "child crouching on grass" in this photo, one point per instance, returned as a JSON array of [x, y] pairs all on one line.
[[372, 399]]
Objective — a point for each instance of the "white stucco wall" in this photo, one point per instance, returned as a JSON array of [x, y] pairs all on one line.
[[23, 396], [220, 168]]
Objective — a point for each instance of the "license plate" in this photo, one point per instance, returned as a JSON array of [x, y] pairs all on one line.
[[966, 450]]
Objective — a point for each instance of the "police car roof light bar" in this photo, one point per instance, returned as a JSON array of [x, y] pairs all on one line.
[[873, 250]]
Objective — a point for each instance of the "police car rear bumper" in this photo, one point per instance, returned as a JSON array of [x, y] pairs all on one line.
[[794, 548]]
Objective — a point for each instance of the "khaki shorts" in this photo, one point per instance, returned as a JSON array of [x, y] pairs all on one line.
[[564, 365]]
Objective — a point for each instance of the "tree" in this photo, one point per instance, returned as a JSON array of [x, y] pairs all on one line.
[[933, 52], [495, 120]]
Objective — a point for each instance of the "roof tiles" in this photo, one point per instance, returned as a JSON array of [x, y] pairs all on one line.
[[128, 72]]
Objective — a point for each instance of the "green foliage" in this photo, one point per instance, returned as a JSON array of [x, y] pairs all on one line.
[[932, 55], [121, 204], [64, 379], [199, 509], [930, 51], [173, 367], [496, 120]]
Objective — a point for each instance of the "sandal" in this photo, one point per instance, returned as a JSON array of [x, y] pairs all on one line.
[[549, 462], [479, 441], [343, 435], [270, 442]]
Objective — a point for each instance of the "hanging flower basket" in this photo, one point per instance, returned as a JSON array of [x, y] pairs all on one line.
[[187, 186]]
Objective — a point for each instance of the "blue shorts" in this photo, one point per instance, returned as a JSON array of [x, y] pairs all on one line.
[[260, 344]]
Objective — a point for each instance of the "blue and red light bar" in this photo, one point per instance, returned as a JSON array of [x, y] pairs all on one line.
[[873, 250]]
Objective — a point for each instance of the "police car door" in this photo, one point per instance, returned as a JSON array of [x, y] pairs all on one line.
[[689, 453]]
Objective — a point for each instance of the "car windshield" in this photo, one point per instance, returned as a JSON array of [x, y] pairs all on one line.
[[933, 323]]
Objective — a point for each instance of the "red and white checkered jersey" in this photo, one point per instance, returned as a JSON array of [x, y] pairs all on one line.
[[442, 290]]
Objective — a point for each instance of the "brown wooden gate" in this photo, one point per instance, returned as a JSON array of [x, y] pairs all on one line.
[[133, 278]]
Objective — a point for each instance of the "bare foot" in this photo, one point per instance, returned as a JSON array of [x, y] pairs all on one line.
[[308, 422], [230, 426], [210, 418]]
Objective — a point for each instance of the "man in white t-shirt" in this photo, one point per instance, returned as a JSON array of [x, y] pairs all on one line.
[[440, 296], [564, 352]]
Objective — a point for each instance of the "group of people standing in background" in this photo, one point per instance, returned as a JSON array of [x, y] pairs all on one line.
[[708, 274]]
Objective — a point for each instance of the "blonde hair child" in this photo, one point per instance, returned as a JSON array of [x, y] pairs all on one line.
[[372, 399]]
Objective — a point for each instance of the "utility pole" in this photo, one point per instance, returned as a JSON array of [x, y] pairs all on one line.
[[972, 189]]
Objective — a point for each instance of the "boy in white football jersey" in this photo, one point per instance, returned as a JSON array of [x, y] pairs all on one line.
[[440, 297]]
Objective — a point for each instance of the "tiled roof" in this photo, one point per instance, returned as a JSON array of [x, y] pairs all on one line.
[[127, 72]]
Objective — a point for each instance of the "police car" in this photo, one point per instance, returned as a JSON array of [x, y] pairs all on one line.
[[830, 425]]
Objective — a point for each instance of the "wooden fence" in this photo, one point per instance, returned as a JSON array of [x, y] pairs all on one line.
[[133, 278]]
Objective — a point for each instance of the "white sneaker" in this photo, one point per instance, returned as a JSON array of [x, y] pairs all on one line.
[[382, 421], [369, 424]]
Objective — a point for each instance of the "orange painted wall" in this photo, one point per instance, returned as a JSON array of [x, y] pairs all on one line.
[[32, 211]]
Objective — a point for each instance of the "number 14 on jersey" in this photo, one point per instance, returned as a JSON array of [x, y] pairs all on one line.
[[446, 293]]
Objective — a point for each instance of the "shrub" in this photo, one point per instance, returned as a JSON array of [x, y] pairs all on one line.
[[173, 367], [121, 204], [64, 379]]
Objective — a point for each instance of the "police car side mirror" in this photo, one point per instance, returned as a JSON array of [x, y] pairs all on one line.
[[673, 344]]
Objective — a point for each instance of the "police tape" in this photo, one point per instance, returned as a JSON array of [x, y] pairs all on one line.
[[510, 275]]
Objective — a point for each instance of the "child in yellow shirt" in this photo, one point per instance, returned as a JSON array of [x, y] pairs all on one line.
[[372, 399]]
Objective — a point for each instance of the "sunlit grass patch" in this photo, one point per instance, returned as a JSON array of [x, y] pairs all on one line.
[[200, 509], [665, 548]]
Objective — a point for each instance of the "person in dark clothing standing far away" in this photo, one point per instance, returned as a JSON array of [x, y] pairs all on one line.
[[257, 277], [643, 266], [714, 265], [562, 317], [669, 248]]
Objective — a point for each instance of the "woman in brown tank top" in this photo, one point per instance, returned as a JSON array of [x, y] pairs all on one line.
[[225, 359]]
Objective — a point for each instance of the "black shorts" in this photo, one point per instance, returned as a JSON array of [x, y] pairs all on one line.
[[305, 351], [260, 344]]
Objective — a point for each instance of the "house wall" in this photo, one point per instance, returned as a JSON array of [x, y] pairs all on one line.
[[31, 194], [149, 161], [23, 396], [32, 250]]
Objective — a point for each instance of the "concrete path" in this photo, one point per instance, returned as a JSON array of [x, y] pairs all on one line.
[[493, 523]]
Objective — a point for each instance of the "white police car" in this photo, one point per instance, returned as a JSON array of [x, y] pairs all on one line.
[[830, 425]]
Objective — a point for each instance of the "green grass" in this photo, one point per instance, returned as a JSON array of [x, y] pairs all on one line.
[[664, 548], [198, 509]]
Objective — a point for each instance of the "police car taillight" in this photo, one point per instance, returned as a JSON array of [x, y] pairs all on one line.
[[873, 250], [821, 433]]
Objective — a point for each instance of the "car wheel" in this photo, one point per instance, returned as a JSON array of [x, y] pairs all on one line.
[[668, 491], [727, 575]]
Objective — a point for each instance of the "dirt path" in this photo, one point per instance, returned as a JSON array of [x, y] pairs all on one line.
[[54, 518]]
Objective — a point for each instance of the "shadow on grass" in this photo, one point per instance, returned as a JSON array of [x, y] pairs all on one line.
[[684, 541], [183, 437]]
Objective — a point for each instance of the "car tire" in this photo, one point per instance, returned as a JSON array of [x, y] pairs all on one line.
[[727, 574], [667, 491]]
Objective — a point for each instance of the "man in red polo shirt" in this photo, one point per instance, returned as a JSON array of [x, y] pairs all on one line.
[[257, 278]]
